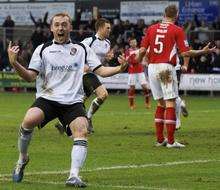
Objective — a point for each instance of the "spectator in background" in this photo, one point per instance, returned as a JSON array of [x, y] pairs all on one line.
[[203, 64], [216, 24], [39, 22], [202, 32], [80, 35], [37, 37], [118, 29], [25, 54], [139, 29], [9, 24], [216, 59], [1, 46]]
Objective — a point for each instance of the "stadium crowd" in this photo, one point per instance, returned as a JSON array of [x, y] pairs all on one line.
[[198, 33]]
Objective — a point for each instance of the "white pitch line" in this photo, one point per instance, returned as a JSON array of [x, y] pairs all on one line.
[[117, 167], [91, 185]]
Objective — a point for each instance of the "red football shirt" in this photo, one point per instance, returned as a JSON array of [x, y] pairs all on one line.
[[162, 41], [133, 65]]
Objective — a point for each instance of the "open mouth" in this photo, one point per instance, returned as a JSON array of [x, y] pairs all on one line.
[[60, 35]]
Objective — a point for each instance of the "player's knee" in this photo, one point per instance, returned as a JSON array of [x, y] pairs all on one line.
[[33, 117], [79, 127], [132, 87], [170, 103], [144, 86], [103, 94], [161, 103]]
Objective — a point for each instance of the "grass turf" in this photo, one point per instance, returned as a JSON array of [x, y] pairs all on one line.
[[123, 138]]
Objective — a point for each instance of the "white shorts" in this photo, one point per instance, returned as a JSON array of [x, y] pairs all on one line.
[[161, 86], [133, 78]]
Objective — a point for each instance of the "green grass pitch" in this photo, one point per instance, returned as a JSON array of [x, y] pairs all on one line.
[[121, 152]]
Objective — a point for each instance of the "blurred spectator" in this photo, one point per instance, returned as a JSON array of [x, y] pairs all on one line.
[[216, 59], [40, 23], [198, 33], [25, 53], [90, 25], [9, 24], [80, 35], [202, 30], [38, 37], [139, 30], [197, 21], [4, 61], [203, 64], [216, 24], [118, 29]]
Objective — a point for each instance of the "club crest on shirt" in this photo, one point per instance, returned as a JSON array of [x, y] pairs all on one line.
[[73, 51]]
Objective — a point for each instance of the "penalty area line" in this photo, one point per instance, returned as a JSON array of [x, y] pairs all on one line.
[[117, 167]]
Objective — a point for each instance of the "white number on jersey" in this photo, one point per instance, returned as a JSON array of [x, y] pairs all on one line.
[[159, 43]]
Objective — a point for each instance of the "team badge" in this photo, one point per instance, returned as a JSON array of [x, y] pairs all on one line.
[[73, 51]]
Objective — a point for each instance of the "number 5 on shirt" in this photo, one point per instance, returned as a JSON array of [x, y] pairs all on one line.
[[159, 43]]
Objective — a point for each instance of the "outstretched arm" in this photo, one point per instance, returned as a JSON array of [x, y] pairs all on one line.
[[109, 71], [194, 53], [33, 19], [184, 67], [45, 18], [140, 55], [27, 75]]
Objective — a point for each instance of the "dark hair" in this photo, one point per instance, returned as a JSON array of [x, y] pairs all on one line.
[[100, 23], [171, 11]]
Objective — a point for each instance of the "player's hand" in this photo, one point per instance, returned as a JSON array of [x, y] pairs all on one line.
[[184, 68], [140, 55], [207, 50], [123, 63], [110, 55], [12, 53], [142, 50]]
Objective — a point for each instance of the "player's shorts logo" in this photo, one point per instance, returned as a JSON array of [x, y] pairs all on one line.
[[73, 51]]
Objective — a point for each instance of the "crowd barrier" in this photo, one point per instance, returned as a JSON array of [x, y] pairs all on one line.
[[188, 82], [10, 80]]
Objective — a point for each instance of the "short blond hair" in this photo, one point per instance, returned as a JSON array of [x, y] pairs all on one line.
[[61, 15]]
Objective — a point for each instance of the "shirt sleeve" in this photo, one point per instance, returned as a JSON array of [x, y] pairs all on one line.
[[181, 41], [36, 60], [87, 41], [92, 60]]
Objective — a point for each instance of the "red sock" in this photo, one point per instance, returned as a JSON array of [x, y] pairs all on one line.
[[159, 123], [147, 96], [170, 122], [131, 93]]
